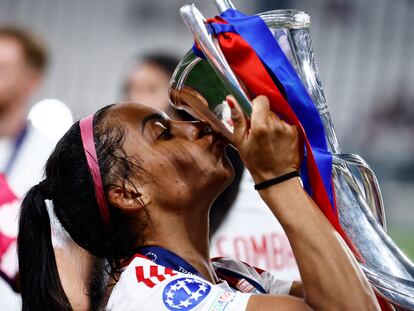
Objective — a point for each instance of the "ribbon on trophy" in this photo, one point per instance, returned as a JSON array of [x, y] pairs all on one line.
[[256, 58]]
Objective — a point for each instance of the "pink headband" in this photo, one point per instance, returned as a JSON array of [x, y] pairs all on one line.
[[86, 129]]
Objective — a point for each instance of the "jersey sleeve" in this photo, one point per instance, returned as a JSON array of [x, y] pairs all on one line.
[[275, 285], [267, 280], [154, 287]]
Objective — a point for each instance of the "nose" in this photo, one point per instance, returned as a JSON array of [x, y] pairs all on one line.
[[191, 130]]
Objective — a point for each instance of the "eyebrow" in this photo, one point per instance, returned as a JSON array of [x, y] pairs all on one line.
[[151, 117]]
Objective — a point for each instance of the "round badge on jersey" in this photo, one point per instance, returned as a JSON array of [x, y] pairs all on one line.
[[185, 293]]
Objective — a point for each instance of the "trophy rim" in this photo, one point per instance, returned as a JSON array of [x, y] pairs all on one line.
[[287, 18]]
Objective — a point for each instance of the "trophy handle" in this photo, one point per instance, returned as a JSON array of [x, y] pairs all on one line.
[[195, 22], [371, 189]]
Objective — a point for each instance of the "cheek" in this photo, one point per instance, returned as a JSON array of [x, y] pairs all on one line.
[[9, 90], [171, 179], [177, 167], [179, 163]]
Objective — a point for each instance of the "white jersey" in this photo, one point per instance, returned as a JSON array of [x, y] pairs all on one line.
[[144, 285], [252, 234], [25, 171]]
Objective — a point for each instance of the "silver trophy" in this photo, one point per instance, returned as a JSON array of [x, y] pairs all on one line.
[[200, 86]]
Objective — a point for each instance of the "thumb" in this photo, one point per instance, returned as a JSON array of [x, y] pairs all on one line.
[[239, 120]]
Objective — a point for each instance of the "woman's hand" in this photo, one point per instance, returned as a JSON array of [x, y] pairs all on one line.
[[269, 147]]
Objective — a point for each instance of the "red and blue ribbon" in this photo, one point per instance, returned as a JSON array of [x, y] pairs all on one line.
[[257, 59]]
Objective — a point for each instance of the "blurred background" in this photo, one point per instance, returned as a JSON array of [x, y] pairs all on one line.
[[364, 49]]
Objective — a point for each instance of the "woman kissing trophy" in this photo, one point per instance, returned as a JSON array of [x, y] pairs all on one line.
[[271, 54]]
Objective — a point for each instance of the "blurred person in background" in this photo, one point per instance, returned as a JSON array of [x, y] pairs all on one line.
[[23, 153], [147, 81], [263, 243], [23, 150]]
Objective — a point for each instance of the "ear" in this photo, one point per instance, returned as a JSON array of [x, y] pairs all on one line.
[[128, 198]]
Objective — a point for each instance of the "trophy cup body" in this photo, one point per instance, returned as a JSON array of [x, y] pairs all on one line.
[[200, 87]]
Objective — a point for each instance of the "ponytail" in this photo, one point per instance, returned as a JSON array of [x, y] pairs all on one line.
[[70, 184], [41, 288]]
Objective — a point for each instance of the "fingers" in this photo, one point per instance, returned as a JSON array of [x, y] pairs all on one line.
[[239, 120], [268, 146], [261, 112], [262, 119]]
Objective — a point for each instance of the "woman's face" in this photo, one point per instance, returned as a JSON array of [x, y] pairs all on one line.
[[182, 159]]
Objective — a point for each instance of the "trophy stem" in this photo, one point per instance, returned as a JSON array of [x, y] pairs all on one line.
[[331, 137], [308, 71]]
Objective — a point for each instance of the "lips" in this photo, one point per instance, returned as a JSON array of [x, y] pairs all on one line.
[[213, 138], [218, 140]]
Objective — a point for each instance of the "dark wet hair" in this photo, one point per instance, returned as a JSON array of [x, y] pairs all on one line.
[[69, 184]]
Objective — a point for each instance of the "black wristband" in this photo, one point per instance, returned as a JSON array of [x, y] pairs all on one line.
[[274, 181]]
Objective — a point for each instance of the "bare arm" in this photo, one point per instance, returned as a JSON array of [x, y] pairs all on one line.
[[331, 277], [296, 289]]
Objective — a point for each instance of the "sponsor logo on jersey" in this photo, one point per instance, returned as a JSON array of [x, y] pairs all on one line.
[[222, 301], [185, 293]]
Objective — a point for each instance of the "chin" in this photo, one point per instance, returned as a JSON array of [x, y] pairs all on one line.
[[229, 174]]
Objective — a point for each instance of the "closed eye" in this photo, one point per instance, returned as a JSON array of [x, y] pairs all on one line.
[[165, 130]]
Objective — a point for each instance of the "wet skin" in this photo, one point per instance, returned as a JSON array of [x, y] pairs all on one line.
[[182, 159]]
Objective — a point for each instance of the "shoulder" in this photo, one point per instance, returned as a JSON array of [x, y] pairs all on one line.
[[28, 166], [148, 286]]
